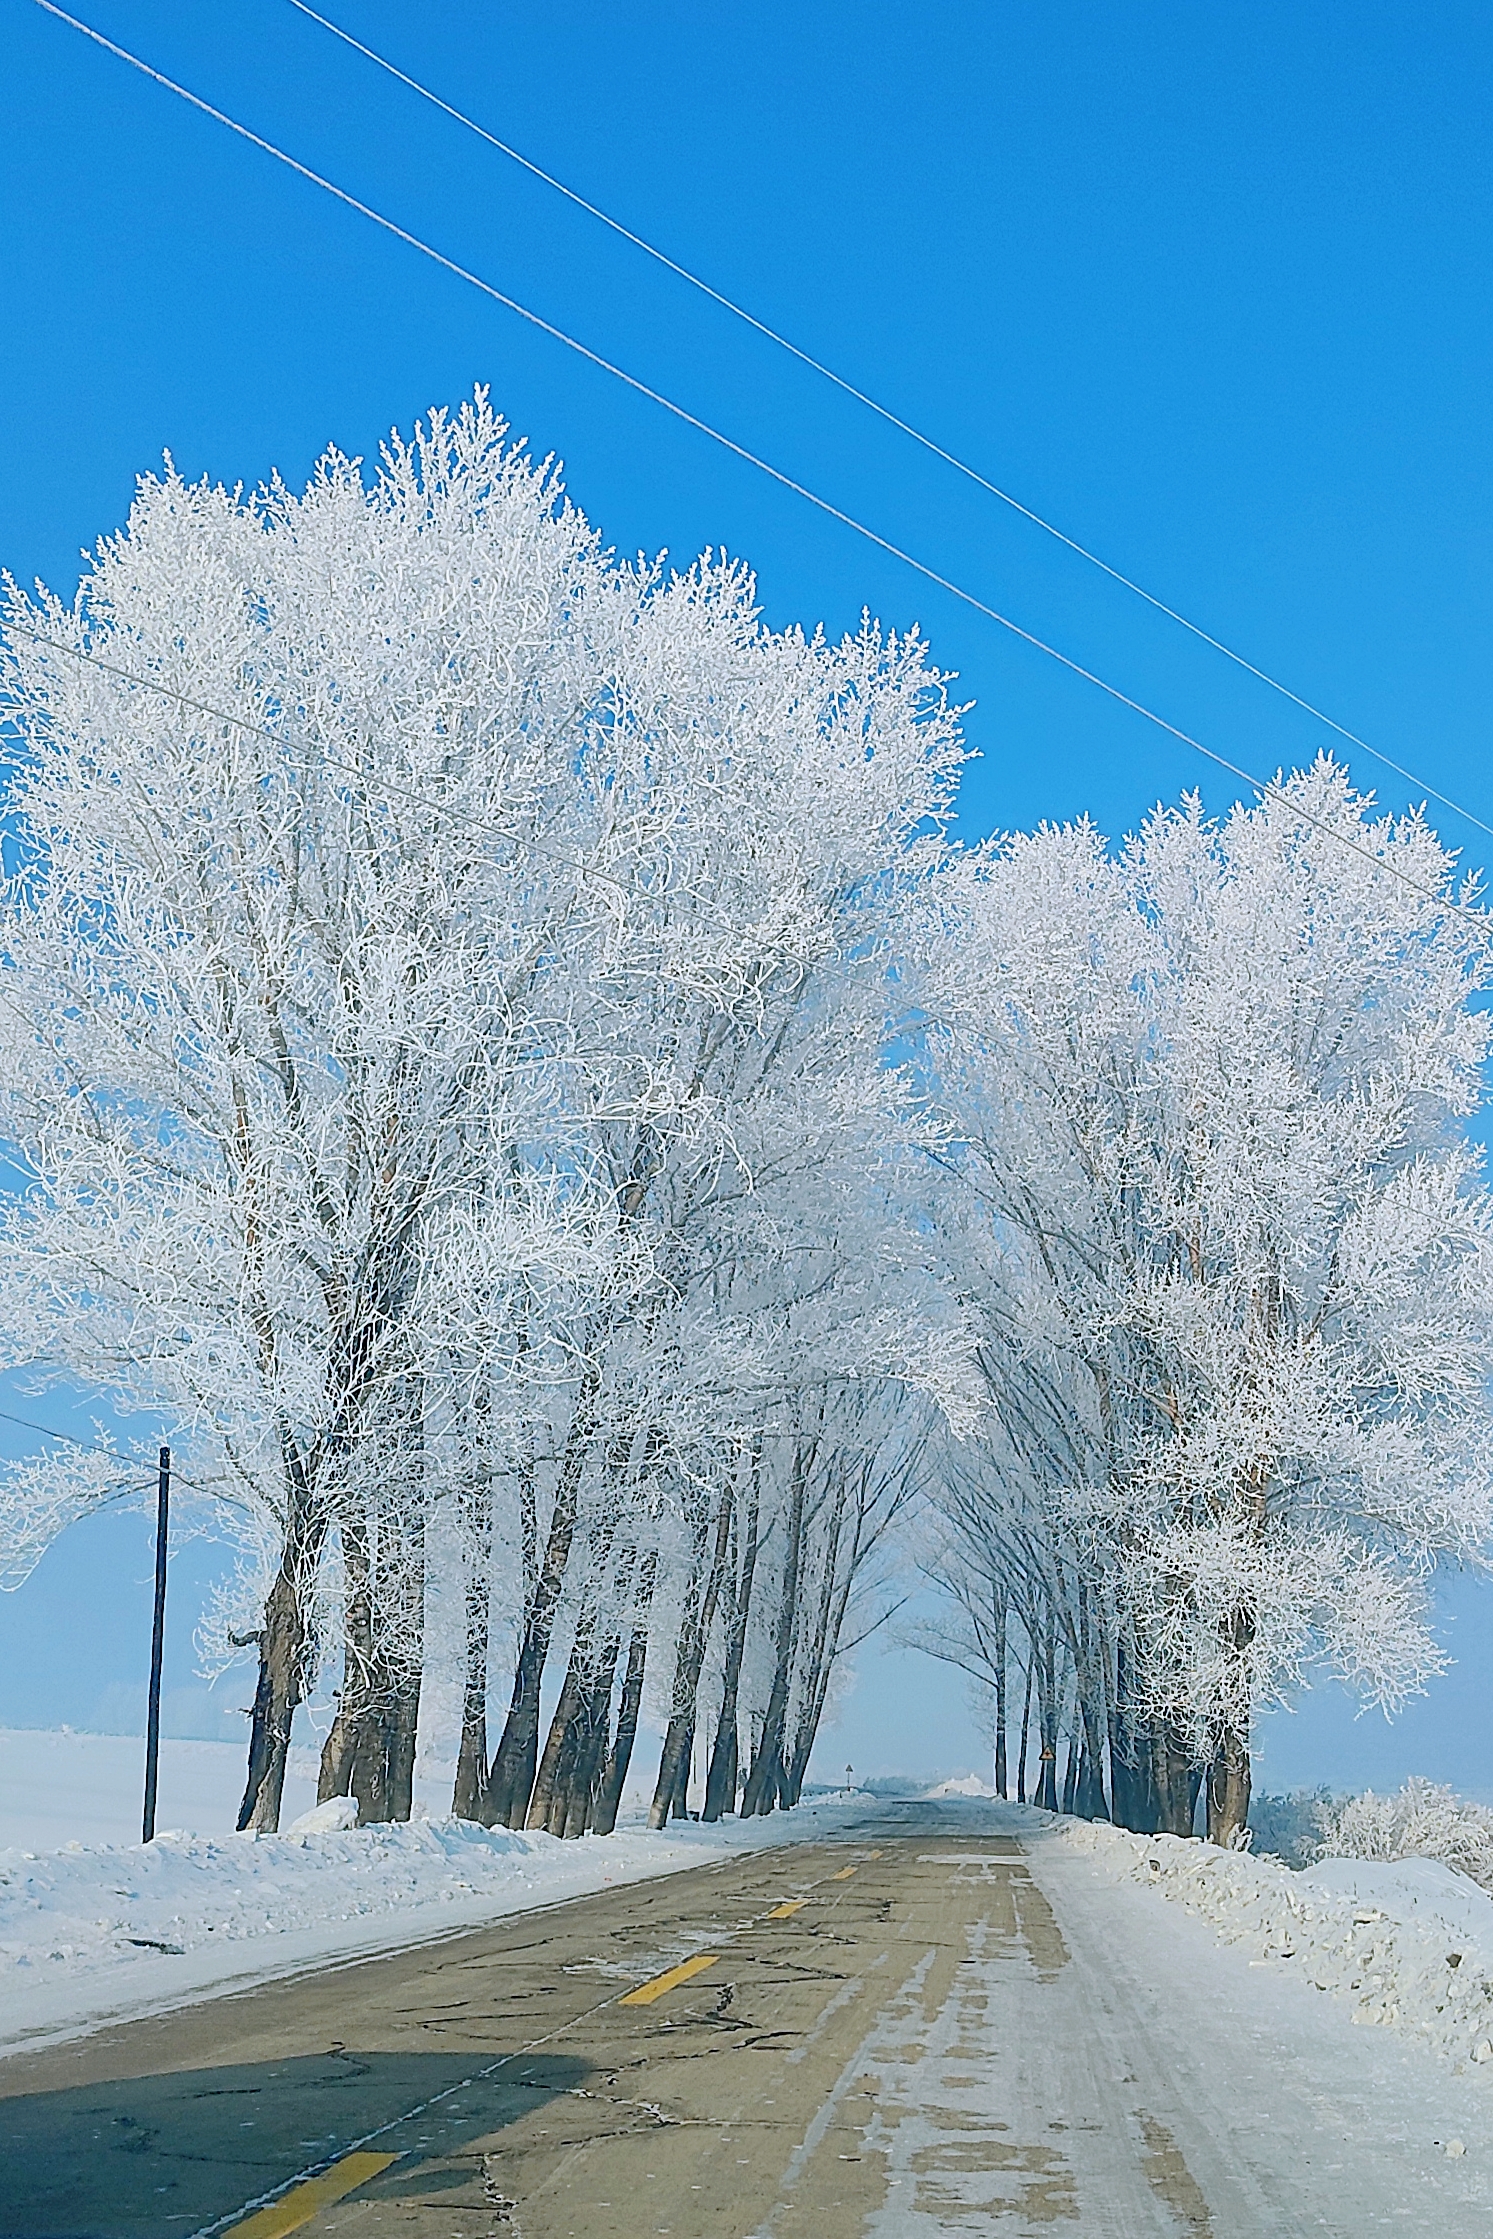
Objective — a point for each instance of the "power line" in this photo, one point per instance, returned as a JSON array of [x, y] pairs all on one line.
[[738, 450], [89, 1446], [442, 808], [884, 412], [70, 1438]]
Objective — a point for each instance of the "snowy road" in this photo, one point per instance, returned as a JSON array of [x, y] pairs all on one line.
[[929, 2025]]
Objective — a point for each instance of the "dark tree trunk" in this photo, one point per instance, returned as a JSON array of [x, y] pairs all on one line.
[[404, 1730], [1228, 1790], [1001, 1775], [671, 1795], [1070, 1769], [355, 1696], [1176, 1779], [579, 1797], [819, 1664], [1089, 1798], [471, 1759], [1229, 1772], [1026, 1725], [764, 1781], [1131, 1763], [511, 1780], [284, 1646], [370, 1751], [554, 1763], [614, 1775], [1047, 1723], [720, 1781]]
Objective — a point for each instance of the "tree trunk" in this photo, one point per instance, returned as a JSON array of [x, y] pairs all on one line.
[[720, 1781], [1175, 1778], [1228, 1790], [671, 1796], [549, 1802], [1026, 1725], [1001, 1775], [1229, 1772], [284, 1644], [1131, 1753], [819, 1664], [614, 1777], [765, 1778], [1047, 1723], [511, 1780], [548, 1777], [370, 1751], [1089, 1798], [1070, 1769], [354, 1696], [579, 1797], [471, 1757]]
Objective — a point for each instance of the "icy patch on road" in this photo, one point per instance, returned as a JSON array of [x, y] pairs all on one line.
[[1411, 1943], [101, 1931]]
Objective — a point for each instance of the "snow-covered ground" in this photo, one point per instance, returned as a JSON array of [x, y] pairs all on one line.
[[96, 1925], [1411, 1944], [68, 1787]]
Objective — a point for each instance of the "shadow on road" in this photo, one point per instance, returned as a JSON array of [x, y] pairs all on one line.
[[153, 2155]]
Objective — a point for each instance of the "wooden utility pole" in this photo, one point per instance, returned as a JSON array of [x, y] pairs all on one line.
[[157, 1649]]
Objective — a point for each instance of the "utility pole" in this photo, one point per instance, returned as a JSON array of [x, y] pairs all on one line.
[[157, 1649]]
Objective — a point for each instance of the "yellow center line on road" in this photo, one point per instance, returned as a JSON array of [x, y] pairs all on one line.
[[646, 1992], [844, 1874], [781, 1912], [298, 2206]]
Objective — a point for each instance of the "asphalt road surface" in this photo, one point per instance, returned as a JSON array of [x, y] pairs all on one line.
[[927, 2025]]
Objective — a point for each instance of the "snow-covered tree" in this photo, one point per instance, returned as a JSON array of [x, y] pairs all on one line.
[[1232, 1253], [447, 976]]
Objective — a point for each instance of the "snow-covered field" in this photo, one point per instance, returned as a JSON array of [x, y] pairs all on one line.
[[1411, 1944], [94, 1925], [65, 1787]]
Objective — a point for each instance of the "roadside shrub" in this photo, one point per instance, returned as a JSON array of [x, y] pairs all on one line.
[[1421, 1820]]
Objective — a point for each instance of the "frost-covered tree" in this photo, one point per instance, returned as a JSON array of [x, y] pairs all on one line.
[[448, 975], [1232, 1254]]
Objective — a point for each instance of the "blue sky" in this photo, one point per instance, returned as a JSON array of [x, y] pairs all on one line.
[[1207, 287]]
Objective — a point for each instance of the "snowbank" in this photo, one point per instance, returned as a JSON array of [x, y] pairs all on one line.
[[969, 1785], [93, 1932], [1411, 1943]]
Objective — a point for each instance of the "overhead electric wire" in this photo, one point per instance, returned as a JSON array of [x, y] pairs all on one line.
[[885, 412], [92, 1446], [728, 443]]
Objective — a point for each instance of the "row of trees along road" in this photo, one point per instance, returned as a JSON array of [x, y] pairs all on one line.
[[503, 1059], [1233, 1271]]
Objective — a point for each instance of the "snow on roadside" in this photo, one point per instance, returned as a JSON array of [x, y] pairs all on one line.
[[96, 1932], [1411, 1943]]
